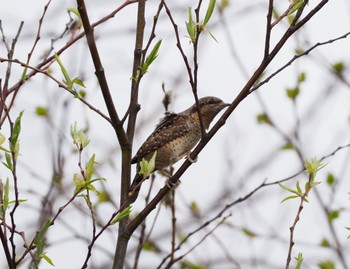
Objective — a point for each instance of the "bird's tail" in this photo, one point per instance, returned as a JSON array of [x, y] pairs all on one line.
[[135, 188]]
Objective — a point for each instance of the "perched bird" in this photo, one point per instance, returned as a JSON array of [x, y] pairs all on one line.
[[174, 137]]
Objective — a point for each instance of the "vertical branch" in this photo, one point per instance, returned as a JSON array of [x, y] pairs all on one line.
[[173, 225], [136, 73], [195, 69], [16, 192], [292, 228], [6, 249], [268, 29], [123, 238]]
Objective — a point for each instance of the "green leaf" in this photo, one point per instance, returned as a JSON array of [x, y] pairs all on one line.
[[299, 51], [275, 13], [287, 189], [224, 3], [67, 79], [248, 233], [24, 74], [209, 12], [19, 201], [15, 132], [40, 235], [293, 93], [299, 260], [338, 67], [296, 6], [148, 247], [79, 137], [333, 215], [74, 11], [47, 259], [195, 209], [151, 57], [103, 197], [263, 118], [147, 167], [290, 19], [42, 111], [87, 202], [8, 163], [300, 192], [126, 212], [348, 228], [189, 265], [313, 166], [288, 146], [307, 187], [82, 94], [79, 82], [330, 179], [301, 77], [89, 170], [191, 26], [79, 183], [290, 197], [213, 37], [152, 162], [326, 265], [2, 139], [325, 243], [4, 192]]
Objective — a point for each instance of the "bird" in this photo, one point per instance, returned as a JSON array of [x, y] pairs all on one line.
[[174, 138]]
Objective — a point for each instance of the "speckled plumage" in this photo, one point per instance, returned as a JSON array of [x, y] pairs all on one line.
[[175, 136]]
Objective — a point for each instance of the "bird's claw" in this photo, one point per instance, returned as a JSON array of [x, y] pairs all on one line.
[[172, 185], [190, 159]]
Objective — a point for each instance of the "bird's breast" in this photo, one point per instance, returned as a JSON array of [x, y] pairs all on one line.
[[181, 146]]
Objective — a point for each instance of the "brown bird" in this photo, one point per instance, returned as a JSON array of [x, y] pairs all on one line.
[[174, 137]]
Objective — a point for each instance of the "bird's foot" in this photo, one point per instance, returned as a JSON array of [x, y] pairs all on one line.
[[190, 159], [172, 185]]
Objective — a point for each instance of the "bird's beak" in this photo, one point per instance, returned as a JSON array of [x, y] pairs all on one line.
[[226, 104]]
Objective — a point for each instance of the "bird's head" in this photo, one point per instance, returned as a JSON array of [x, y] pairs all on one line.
[[209, 106]]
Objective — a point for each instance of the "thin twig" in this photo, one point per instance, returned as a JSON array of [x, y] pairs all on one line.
[[15, 188], [296, 57], [268, 29], [59, 84], [173, 227], [178, 44], [5, 247], [195, 68]]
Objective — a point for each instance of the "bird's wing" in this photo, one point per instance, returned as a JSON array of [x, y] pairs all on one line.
[[166, 121], [170, 128]]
